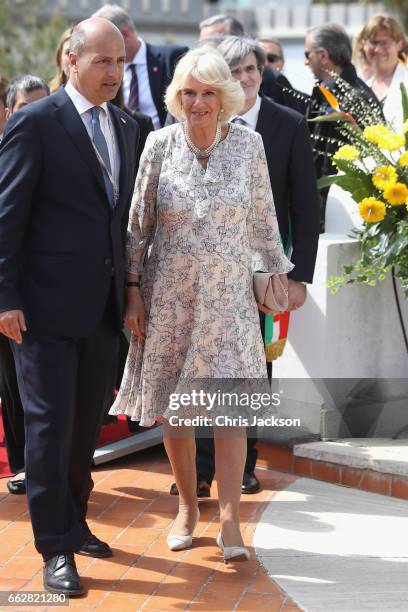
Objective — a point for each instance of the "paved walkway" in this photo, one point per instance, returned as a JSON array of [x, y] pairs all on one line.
[[325, 547], [131, 509], [336, 549]]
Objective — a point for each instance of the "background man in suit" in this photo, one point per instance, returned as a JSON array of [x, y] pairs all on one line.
[[328, 54], [24, 90], [148, 70], [291, 171], [21, 91], [275, 57], [274, 84], [67, 171]]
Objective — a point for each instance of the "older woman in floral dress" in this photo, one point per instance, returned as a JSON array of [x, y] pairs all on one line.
[[204, 206]]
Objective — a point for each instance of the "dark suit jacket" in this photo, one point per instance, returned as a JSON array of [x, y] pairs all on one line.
[[290, 162], [323, 133], [60, 242], [161, 62], [277, 87]]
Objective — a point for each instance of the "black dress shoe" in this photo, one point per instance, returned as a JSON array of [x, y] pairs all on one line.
[[250, 483], [17, 487], [203, 489], [61, 576], [93, 547]]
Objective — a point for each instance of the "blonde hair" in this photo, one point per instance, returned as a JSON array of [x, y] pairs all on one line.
[[380, 22], [60, 77], [207, 65]]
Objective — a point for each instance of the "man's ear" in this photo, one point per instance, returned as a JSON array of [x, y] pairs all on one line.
[[125, 32], [324, 57], [72, 59], [7, 112]]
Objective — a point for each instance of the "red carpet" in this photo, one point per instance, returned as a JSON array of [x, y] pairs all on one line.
[[4, 466], [110, 433], [114, 431]]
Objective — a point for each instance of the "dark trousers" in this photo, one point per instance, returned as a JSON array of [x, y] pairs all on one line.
[[11, 408], [65, 384], [205, 460]]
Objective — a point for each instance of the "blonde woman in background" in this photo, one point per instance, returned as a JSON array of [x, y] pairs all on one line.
[[364, 69], [382, 45], [61, 61]]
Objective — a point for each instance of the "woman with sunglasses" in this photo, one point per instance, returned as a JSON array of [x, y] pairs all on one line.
[[383, 47]]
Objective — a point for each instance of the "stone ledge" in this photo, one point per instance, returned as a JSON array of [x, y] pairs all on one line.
[[334, 468], [378, 454]]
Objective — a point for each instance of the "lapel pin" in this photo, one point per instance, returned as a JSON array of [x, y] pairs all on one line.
[[123, 121], [155, 69]]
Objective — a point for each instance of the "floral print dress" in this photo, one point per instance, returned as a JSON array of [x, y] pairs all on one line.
[[208, 230]]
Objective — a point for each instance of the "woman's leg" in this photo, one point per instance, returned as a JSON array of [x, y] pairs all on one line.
[[230, 454], [181, 451]]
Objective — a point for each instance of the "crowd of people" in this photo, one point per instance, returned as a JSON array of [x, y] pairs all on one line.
[[147, 184]]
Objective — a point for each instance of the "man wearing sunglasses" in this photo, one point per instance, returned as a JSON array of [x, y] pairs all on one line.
[[328, 55], [273, 53]]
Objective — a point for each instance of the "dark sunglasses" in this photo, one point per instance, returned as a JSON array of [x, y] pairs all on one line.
[[307, 54], [271, 57]]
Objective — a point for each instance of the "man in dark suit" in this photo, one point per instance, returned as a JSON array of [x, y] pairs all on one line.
[[148, 70], [328, 53], [291, 170], [67, 170]]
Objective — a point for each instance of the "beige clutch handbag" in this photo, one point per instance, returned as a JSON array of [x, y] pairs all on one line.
[[271, 291]]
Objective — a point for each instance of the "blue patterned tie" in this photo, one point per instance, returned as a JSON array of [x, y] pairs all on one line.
[[101, 144], [239, 121]]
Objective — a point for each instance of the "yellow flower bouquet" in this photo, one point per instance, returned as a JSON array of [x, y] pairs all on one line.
[[372, 165]]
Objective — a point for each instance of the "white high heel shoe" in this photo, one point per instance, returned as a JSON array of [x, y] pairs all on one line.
[[232, 553], [180, 542]]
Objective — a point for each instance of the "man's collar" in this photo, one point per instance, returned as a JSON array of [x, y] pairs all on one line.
[[251, 116], [140, 55], [80, 102], [348, 73]]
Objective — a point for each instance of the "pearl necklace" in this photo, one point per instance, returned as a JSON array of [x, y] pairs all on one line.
[[202, 153]]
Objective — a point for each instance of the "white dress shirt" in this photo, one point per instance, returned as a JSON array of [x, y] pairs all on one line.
[[251, 116], [146, 103], [83, 107], [392, 107]]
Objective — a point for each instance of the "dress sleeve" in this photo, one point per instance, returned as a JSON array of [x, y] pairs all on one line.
[[262, 225], [142, 217]]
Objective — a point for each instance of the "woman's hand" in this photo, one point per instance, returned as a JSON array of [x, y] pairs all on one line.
[[135, 312], [264, 309]]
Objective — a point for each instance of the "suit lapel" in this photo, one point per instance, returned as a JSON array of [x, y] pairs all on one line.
[[70, 120], [264, 125], [155, 72], [119, 124]]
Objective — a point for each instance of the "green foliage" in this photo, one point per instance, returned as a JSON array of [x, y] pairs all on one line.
[[28, 39], [383, 245], [404, 96]]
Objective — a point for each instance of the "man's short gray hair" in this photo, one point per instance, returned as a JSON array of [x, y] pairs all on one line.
[[232, 25], [26, 83], [77, 41], [273, 41], [235, 48], [334, 38], [117, 15]]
